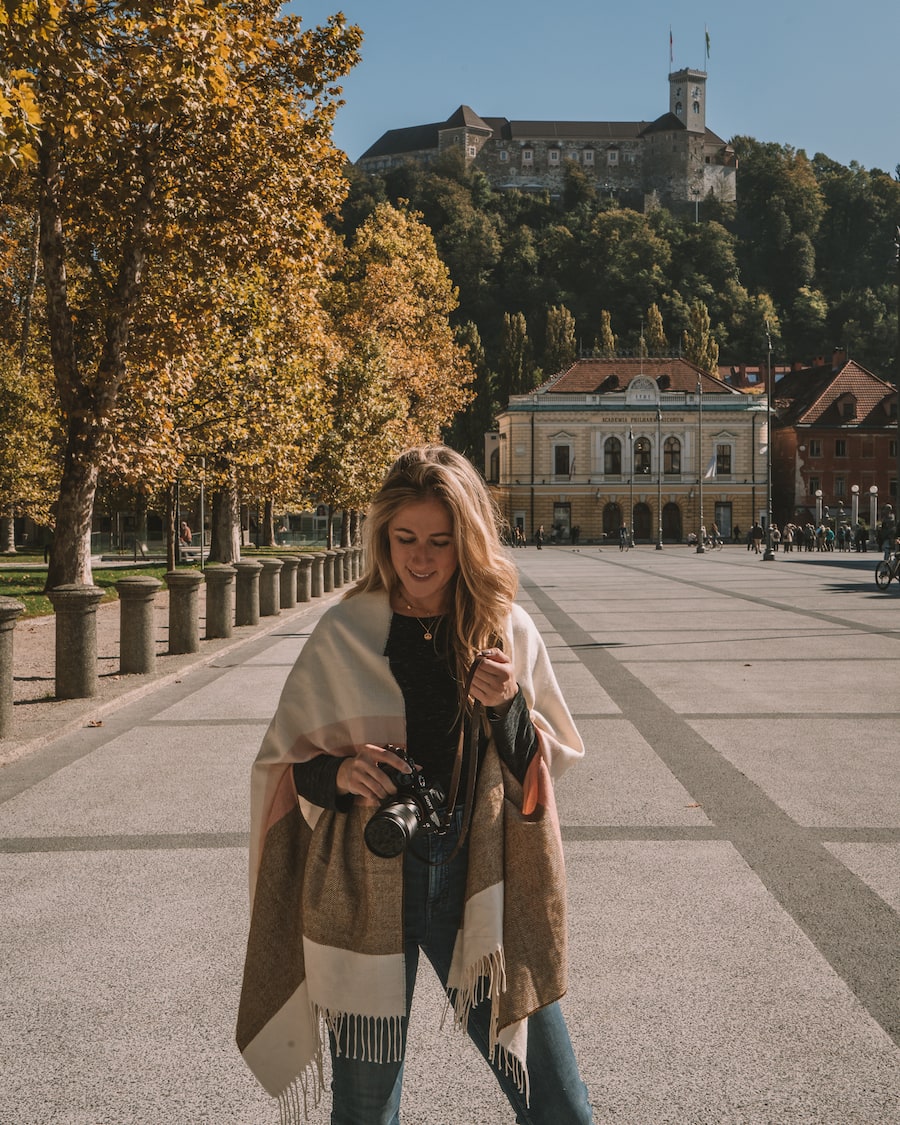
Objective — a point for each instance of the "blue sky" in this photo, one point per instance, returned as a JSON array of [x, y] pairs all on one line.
[[819, 75]]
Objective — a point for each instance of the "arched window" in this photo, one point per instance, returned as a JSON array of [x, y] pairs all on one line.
[[612, 457], [672, 457], [612, 520], [642, 457]]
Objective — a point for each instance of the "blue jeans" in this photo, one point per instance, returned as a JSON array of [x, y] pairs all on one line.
[[366, 1093]]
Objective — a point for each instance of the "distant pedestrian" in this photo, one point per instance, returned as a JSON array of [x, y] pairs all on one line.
[[184, 534], [539, 537], [887, 532], [576, 531], [787, 538], [756, 536]]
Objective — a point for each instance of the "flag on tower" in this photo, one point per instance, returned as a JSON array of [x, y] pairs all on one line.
[[706, 30], [671, 51]]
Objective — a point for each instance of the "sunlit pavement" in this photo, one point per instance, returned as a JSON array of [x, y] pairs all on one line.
[[732, 839]]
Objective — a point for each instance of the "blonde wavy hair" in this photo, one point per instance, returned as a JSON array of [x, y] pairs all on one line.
[[486, 581]]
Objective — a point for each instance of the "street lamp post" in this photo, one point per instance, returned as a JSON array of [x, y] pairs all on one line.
[[854, 511], [659, 543], [873, 512], [818, 506], [700, 547], [768, 554], [631, 489]]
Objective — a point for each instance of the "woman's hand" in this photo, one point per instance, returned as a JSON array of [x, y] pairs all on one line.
[[494, 683], [361, 776]]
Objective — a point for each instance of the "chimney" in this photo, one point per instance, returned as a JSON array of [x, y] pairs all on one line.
[[819, 361], [797, 365], [838, 358]]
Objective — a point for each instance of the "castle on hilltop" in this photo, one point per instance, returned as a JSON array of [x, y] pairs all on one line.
[[673, 160]]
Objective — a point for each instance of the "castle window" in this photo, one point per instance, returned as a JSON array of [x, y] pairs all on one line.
[[696, 107], [504, 156], [553, 156], [472, 150], [527, 155], [589, 156], [679, 109], [612, 157]]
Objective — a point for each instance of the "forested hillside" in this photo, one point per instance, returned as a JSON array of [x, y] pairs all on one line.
[[808, 247]]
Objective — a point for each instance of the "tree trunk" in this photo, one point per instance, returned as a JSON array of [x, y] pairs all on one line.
[[170, 527], [70, 560], [345, 527], [141, 544], [225, 537], [329, 531], [268, 528], [355, 528], [7, 535]]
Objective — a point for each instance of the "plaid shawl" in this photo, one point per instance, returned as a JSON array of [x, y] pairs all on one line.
[[325, 947]]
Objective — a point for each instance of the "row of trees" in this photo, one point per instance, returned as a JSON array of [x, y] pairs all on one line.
[[172, 287], [808, 249]]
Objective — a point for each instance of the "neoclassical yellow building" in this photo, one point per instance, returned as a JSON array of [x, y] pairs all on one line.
[[637, 442]]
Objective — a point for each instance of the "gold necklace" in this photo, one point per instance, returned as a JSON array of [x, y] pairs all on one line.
[[427, 630]]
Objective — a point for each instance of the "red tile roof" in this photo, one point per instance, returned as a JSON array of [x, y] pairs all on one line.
[[811, 397], [609, 376]]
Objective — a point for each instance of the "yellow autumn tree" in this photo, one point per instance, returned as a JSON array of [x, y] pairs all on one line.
[[172, 142], [402, 375]]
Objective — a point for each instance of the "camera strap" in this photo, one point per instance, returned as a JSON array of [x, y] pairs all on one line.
[[468, 732]]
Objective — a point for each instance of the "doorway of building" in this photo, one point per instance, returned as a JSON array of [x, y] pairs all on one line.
[[612, 521], [672, 529], [643, 523]]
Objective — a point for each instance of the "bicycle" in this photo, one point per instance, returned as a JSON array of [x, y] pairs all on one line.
[[886, 570]]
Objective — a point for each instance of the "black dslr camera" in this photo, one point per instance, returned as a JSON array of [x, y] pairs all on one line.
[[415, 807]]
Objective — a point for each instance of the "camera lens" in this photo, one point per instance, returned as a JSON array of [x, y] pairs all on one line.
[[391, 828]]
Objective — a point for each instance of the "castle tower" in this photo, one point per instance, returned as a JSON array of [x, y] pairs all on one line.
[[687, 98]]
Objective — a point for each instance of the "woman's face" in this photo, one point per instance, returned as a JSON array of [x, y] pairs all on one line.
[[423, 553]]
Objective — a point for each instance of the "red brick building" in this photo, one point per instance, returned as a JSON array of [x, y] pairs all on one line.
[[834, 434]]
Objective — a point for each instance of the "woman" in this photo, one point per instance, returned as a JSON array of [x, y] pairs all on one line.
[[428, 635]]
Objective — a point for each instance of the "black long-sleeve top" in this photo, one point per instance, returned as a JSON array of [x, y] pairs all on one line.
[[431, 696]]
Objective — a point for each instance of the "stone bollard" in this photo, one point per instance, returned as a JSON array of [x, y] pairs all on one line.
[[137, 642], [219, 600], [75, 607], [328, 572], [360, 561], [318, 574], [246, 611], [304, 578], [10, 609], [338, 553], [288, 591], [269, 583], [184, 610], [347, 562]]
